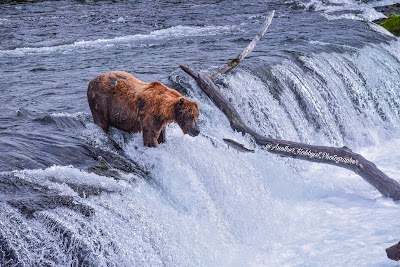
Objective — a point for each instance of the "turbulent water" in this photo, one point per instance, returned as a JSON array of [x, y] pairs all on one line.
[[71, 195]]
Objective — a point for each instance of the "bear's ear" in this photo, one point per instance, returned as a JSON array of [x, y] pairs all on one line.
[[181, 101]]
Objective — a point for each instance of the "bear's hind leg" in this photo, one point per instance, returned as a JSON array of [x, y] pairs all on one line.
[[101, 121], [104, 126]]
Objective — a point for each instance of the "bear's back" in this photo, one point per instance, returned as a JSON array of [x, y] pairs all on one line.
[[123, 82]]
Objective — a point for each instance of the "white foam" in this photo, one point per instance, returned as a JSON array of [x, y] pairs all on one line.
[[384, 2], [78, 114], [56, 177], [168, 33], [356, 10], [5, 21], [261, 210]]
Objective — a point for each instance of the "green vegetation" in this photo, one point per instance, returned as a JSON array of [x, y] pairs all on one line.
[[392, 24]]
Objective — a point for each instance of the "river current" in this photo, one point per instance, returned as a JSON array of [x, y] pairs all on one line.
[[70, 195]]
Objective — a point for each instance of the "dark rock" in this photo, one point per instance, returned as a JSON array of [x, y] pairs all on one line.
[[389, 10]]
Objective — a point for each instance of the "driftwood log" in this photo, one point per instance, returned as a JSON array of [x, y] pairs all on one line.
[[338, 156]]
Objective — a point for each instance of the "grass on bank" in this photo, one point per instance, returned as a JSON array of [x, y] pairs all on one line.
[[392, 24]]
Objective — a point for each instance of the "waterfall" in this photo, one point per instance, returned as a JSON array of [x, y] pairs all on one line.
[[347, 98]]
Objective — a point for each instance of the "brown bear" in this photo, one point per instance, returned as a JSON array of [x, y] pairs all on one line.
[[119, 99]]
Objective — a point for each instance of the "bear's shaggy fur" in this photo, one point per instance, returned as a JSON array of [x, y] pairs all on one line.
[[119, 99]]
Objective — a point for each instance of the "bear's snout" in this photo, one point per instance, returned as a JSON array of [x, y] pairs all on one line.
[[194, 130], [393, 252]]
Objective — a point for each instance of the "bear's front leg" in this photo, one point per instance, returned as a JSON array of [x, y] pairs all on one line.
[[161, 137], [150, 137], [151, 129]]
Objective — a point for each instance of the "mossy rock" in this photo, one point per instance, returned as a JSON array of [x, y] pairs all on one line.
[[392, 24]]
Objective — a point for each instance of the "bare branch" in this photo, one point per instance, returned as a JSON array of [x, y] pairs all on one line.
[[246, 52]]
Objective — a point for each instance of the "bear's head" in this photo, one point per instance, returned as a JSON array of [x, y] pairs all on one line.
[[186, 115]]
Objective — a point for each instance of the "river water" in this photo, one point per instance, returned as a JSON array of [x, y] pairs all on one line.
[[70, 195]]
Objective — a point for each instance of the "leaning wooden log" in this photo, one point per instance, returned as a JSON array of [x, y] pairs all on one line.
[[393, 252], [338, 156], [247, 51]]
